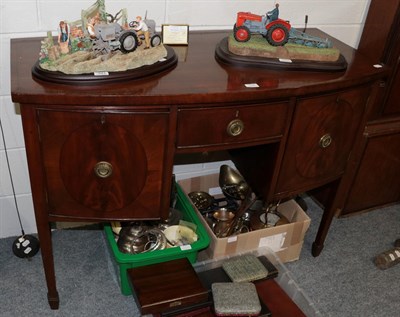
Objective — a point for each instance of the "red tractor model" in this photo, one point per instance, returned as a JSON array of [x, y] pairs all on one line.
[[276, 32]]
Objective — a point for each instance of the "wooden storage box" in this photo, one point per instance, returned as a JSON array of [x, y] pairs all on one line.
[[167, 285]]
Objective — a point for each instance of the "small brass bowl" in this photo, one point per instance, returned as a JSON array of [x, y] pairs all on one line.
[[223, 214], [223, 217], [201, 200]]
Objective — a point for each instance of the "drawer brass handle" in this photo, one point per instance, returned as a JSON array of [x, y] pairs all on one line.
[[325, 141], [235, 127], [103, 169]]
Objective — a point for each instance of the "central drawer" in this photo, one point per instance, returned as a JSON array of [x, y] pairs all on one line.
[[228, 125]]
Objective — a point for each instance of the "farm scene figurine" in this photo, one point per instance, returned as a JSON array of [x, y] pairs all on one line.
[[269, 36], [101, 42]]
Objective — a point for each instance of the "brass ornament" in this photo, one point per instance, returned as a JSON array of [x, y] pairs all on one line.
[[232, 183]]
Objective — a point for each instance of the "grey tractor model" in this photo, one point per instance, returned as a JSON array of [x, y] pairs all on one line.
[[110, 37]]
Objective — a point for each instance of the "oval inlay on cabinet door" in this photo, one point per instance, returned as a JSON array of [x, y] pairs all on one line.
[[108, 169], [320, 140]]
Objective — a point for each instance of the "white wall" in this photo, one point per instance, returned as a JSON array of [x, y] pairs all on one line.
[[342, 19]]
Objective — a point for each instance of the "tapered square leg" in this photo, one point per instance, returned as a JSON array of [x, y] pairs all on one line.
[[54, 300]]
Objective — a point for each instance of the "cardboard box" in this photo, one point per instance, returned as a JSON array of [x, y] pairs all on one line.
[[285, 240]]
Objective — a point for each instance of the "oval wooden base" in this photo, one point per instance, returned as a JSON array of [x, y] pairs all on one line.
[[223, 55], [91, 79]]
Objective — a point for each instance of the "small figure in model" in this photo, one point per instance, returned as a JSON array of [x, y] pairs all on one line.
[[63, 37], [273, 14], [91, 23], [141, 28]]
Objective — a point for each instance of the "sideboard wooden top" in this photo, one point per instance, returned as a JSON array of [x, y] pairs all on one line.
[[198, 78]]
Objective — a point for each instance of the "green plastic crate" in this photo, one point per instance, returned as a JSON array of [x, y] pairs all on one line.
[[126, 261]]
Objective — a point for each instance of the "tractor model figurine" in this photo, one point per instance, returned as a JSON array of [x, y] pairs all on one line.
[[276, 32], [155, 39], [111, 37]]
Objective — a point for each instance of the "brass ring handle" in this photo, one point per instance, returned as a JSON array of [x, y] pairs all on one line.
[[235, 127], [103, 169], [325, 141]]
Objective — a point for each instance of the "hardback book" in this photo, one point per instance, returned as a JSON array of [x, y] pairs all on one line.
[[245, 268], [236, 299]]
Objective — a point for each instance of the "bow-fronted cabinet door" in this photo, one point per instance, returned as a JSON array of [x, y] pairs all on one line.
[[320, 140], [104, 165]]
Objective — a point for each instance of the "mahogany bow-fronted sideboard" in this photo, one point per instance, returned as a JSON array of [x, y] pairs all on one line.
[[106, 151]]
